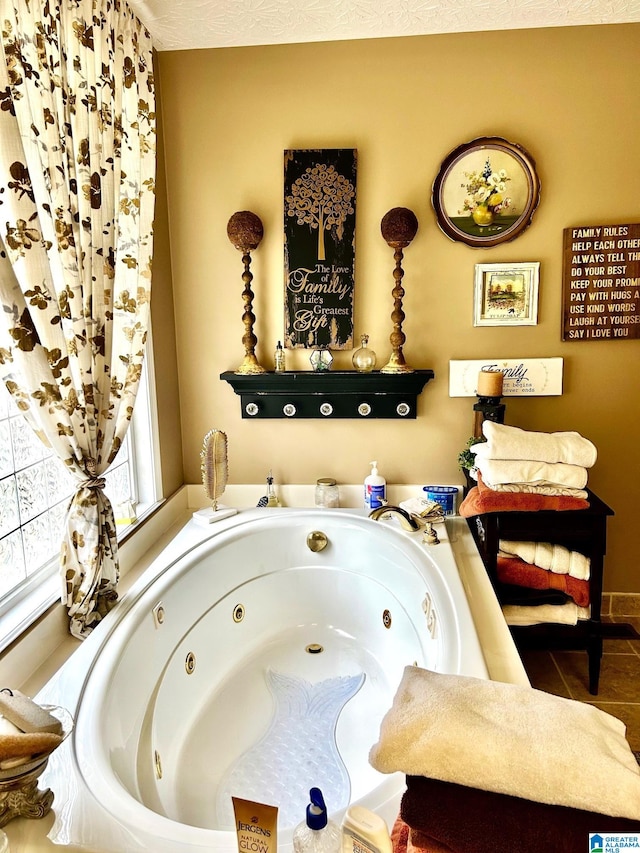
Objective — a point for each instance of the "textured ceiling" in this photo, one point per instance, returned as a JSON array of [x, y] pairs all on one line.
[[188, 24]]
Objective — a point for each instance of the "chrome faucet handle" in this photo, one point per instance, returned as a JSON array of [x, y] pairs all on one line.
[[430, 537]]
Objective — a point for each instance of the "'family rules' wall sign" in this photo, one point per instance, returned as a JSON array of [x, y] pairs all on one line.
[[601, 282], [319, 247]]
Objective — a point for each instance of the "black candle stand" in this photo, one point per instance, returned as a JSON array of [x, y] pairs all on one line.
[[487, 409]]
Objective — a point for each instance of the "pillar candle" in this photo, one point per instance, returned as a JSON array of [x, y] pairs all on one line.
[[490, 383]]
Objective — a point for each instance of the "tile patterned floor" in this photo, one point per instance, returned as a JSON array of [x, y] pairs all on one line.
[[564, 673]]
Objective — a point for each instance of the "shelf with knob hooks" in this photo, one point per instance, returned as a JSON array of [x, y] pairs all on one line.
[[329, 395]]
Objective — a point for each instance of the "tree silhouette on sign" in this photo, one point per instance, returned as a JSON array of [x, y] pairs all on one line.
[[321, 198]]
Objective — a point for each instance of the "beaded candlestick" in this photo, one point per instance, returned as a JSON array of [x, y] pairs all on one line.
[[244, 230], [399, 227]]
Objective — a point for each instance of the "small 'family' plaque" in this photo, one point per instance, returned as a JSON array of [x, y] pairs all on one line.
[[319, 253], [601, 282], [523, 377]]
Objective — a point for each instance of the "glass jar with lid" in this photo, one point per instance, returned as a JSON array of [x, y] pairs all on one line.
[[327, 494]]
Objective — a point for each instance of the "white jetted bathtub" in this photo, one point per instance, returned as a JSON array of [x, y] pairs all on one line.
[[251, 665]]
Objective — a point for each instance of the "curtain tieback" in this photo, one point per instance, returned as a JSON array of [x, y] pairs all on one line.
[[93, 483]]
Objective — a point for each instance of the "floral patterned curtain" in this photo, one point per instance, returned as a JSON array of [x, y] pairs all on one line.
[[77, 193]]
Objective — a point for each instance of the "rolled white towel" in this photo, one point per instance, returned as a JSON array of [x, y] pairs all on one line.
[[529, 552], [496, 471], [507, 442], [560, 560], [559, 614], [579, 565], [554, 558]]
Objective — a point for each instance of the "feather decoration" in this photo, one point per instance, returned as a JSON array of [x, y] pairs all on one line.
[[213, 465]]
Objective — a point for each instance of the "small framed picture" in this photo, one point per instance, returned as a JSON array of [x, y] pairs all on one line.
[[506, 294]]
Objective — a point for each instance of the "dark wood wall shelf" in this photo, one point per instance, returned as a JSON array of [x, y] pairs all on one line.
[[329, 394]]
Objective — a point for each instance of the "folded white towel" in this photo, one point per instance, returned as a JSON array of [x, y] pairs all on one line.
[[553, 557], [496, 471], [544, 614], [550, 491], [507, 442], [508, 739]]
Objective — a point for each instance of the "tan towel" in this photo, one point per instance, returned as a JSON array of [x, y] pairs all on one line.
[[497, 471], [508, 442], [550, 556], [508, 739], [550, 491], [544, 614]]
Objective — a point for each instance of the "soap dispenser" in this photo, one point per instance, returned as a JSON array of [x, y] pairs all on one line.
[[317, 834], [375, 489]]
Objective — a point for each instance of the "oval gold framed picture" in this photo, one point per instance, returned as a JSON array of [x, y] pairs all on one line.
[[486, 192]]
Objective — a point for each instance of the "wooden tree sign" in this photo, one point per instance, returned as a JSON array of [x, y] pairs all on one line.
[[319, 253], [601, 283]]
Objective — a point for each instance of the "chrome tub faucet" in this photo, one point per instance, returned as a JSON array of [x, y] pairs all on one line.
[[407, 521]]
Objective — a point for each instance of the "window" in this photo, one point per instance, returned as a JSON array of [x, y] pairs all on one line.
[[35, 489]]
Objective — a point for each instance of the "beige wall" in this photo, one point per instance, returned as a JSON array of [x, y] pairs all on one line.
[[164, 337], [569, 96]]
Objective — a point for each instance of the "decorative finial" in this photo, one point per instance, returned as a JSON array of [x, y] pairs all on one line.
[[245, 231], [399, 226]]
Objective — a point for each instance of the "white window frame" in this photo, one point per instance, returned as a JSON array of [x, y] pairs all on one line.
[[43, 588]]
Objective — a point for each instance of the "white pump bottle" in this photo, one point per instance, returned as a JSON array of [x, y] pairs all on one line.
[[375, 489]]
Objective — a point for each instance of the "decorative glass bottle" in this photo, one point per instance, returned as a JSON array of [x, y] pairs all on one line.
[[279, 359], [364, 359]]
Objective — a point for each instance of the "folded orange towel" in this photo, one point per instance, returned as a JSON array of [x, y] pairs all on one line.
[[405, 840], [481, 499], [513, 570], [399, 836], [469, 820], [420, 842]]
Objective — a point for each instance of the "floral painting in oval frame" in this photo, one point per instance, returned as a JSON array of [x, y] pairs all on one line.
[[486, 192]]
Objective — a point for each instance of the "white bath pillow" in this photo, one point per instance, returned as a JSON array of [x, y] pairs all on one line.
[[508, 739]]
